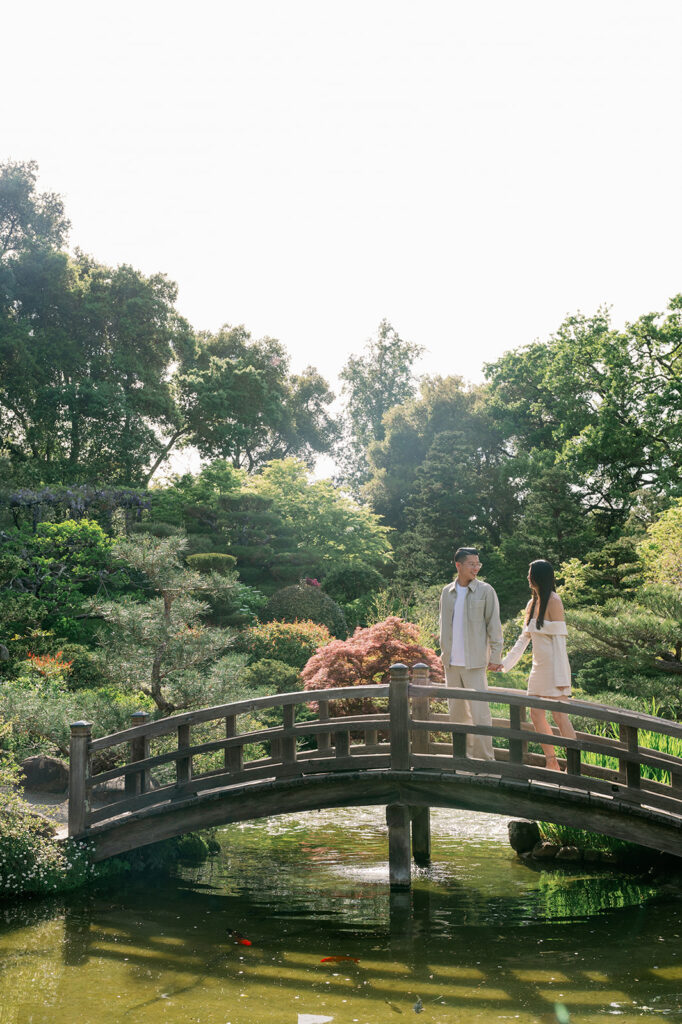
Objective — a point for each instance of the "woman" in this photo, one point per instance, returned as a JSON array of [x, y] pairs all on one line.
[[550, 675]]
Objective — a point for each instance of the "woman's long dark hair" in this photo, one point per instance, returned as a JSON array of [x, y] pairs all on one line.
[[542, 577]]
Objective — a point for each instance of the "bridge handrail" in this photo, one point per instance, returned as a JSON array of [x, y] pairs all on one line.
[[161, 726], [410, 745], [520, 698]]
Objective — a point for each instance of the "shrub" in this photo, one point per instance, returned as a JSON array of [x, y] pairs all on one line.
[[273, 676], [350, 582], [303, 601], [291, 642], [367, 657], [212, 561]]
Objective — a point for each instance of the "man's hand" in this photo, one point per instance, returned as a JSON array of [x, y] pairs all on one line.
[[494, 668]]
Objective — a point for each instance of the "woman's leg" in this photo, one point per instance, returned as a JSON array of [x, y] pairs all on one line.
[[563, 722], [540, 724]]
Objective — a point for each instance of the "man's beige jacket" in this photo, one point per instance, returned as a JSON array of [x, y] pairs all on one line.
[[482, 627]]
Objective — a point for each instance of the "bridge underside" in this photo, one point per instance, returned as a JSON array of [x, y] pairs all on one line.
[[476, 792]]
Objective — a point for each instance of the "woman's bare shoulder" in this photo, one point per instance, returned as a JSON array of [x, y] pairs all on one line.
[[555, 608]]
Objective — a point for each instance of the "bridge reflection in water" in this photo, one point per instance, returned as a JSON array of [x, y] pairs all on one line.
[[380, 744]]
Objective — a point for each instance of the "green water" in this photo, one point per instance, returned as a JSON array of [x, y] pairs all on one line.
[[481, 937]]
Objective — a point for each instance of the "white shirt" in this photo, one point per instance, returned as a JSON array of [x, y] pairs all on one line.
[[458, 654]]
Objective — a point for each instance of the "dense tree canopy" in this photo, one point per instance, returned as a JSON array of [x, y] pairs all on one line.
[[373, 384]]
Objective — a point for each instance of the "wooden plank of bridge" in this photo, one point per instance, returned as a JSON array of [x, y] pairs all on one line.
[[630, 772], [138, 782], [79, 770], [289, 741], [324, 740], [183, 769], [234, 756], [421, 816]]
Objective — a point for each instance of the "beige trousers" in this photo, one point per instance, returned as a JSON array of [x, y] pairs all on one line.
[[475, 712]]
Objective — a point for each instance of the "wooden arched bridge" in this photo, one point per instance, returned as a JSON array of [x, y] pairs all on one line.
[[380, 744]]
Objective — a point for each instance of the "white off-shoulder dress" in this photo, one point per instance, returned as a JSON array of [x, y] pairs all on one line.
[[550, 675]]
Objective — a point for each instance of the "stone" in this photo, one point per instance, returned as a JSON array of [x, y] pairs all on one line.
[[45, 774], [114, 789], [545, 851], [569, 853], [523, 835]]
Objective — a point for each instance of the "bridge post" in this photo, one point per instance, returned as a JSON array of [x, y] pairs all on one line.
[[138, 782], [79, 770], [421, 816], [398, 815], [399, 867]]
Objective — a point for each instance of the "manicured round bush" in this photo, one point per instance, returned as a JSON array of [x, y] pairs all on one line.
[[212, 561], [291, 642], [303, 601], [349, 582], [272, 676]]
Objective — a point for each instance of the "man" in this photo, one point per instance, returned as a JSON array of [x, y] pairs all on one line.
[[470, 640]]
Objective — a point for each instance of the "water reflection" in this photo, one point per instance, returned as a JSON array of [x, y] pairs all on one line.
[[479, 938]]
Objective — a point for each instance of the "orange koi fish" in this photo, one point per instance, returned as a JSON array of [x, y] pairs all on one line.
[[339, 960]]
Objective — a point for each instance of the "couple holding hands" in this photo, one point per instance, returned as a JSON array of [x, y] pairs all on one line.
[[471, 644]]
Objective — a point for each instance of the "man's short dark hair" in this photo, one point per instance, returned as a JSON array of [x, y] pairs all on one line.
[[462, 553]]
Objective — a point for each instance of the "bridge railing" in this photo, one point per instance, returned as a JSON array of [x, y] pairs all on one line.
[[407, 735]]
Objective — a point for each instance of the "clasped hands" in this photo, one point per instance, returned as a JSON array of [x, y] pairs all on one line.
[[494, 667]]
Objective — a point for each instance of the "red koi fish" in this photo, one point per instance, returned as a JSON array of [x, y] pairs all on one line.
[[339, 960], [238, 938]]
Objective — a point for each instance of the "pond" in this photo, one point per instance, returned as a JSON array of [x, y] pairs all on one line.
[[293, 923]]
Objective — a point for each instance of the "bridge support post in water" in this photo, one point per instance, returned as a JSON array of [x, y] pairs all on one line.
[[399, 859], [421, 836], [79, 770]]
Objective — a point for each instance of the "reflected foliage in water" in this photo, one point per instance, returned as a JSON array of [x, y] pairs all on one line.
[[481, 937]]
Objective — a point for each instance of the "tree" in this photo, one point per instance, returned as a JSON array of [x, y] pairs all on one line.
[[373, 384], [632, 645], [85, 352], [366, 658], [28, 219], [606, 402], [333, 527], [240, 402], [162, 646], [661, 549], [47, 578]]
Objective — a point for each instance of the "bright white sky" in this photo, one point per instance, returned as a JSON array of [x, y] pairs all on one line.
[[471, 171]]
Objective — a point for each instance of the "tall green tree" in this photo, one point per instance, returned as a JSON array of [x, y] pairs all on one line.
[[373, 383], [239, 401], [28, 218], [85, 352]]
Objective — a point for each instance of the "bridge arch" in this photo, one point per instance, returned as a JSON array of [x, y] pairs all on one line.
[[395, 756]]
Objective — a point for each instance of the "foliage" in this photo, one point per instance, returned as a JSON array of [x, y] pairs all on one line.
[[348, 582], [293, 643], [102, 504], [41, 714], [28, 219], [271, 676], [84, 355], [162, 646], [336, 529], [367, 656], [31, 862], [612, 571], [373, 383], [240, 402], [634, 645], [302, 602], [212, 561], [661, 549]]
